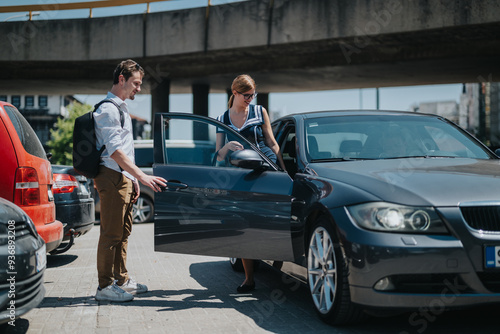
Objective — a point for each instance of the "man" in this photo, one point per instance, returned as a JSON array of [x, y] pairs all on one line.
[[117, 185]]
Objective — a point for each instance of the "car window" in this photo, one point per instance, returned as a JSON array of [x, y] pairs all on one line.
[[144, 156], [193, 142], [25, 132], [444, 142], [288, 147], [276, 126], [387, 137]]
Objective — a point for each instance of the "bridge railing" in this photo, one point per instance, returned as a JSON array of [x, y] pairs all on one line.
[[35, 9]]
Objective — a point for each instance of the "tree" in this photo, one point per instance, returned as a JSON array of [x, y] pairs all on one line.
[[61, 137]]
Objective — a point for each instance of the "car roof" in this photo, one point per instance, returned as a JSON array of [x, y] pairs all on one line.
[[5, 103], [335, 113]]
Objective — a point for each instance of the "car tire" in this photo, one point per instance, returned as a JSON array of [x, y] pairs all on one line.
[[327, 274], [142, 210], [237, 264]]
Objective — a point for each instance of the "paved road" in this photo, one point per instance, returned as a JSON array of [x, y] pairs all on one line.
[[191, 294]]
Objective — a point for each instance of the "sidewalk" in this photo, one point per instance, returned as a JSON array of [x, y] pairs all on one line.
[[188, 294]]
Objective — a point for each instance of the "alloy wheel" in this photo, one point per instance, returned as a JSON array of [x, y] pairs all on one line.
[[142, 210], [322, 270]]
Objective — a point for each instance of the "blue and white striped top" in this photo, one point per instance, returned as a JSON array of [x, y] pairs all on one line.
[[251, 129]]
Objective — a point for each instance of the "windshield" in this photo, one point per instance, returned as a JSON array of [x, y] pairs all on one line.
[[387, 137]]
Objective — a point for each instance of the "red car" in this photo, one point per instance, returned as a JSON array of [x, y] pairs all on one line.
[[26, 174]]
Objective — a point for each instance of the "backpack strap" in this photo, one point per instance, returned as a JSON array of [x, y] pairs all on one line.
[[122, 116]]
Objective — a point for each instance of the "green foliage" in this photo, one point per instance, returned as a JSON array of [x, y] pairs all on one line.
[[61, 137]]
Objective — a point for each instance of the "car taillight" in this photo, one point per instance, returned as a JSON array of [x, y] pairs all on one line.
[[64, 183], [27, 190]]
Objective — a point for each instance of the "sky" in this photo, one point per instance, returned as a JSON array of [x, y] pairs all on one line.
[[390, 98]]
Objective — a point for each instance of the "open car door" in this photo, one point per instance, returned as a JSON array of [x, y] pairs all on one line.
[[216, 208]]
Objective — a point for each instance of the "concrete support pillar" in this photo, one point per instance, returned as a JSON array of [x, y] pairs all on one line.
[[495, 114], [160, 98], [200, 107], [263, 100]]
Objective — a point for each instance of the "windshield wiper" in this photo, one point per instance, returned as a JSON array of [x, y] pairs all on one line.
[[441, 156], [428, 156], [418, 156], [339, 159], [382, 158]]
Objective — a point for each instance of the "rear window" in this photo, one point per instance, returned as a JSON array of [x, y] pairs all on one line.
[[28, 137]]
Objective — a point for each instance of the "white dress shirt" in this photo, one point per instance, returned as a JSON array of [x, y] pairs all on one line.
[[109, 132]]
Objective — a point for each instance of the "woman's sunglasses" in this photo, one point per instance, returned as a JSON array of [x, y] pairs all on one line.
[[248, 96]]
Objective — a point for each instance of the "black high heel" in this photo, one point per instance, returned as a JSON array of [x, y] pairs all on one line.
[[246, 287]]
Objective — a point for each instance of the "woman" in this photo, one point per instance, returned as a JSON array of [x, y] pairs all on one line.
[[253, 123]]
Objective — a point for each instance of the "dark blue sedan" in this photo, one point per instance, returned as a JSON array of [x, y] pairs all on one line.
[[376, 210]]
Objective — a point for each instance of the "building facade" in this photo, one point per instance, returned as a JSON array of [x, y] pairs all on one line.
[[41, 111]]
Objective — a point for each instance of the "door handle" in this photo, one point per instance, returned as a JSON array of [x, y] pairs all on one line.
[[174, 185], [298, 201]]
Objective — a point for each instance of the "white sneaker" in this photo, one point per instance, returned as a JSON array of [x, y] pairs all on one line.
[[112, 293], [131, 286]]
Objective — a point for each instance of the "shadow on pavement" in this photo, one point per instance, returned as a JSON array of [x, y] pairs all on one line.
[[278, 303], [50, 302], [21, 327], [54, 261]]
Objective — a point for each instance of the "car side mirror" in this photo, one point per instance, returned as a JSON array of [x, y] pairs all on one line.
[[497, 152], [248, 159]]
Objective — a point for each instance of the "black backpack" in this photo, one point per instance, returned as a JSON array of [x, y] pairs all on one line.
[[86, 157]]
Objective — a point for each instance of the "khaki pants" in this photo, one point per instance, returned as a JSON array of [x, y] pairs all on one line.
[[115, 193]]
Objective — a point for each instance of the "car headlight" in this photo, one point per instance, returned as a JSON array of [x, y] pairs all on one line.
[[388, 217]]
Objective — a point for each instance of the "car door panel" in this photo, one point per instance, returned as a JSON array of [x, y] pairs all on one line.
[[223, 211]]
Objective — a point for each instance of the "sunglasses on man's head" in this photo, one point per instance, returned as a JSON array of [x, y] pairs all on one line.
[[137, 67], [248, 96]]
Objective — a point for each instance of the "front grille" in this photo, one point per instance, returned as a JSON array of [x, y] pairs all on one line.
[[22, 229], [429, 283], [25, 289], [485, 218]]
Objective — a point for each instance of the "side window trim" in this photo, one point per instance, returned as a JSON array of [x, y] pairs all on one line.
[[291, 164]]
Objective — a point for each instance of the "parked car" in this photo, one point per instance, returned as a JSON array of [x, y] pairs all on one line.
[[369, 224], [74, 204], [22, 263], [26, 175]]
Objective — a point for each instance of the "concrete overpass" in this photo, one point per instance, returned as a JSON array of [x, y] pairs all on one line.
[[295, 45]]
